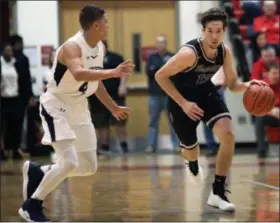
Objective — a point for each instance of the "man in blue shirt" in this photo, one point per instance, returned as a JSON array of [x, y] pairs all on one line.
[[157, 97]]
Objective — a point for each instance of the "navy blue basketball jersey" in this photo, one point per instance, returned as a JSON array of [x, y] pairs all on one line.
[[200, 74]]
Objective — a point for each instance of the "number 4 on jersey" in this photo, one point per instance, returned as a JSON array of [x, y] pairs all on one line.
[[83, 87]]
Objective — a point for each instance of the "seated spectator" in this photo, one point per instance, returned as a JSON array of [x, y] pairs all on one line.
[[272, 118], [258, 43], [252, 9], [259, 70], [269, 23]]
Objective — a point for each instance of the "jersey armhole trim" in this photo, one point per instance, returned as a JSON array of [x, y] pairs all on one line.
[[224, 52], [195, 63]]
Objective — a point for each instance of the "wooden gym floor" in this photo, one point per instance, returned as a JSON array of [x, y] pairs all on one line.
[[151, 188]]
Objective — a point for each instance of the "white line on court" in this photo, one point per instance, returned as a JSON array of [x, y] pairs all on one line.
[[261, 184]]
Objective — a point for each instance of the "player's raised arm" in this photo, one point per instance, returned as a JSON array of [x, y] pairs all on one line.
[[233, 83], [184, 58], [71, 54]]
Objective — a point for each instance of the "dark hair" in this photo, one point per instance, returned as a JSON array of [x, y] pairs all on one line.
[[268, 48], [15, 38], [89, 14], [273, 65], [214, 14], [4, 46]]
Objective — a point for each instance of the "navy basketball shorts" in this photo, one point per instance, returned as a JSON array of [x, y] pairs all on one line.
[[214, 109]]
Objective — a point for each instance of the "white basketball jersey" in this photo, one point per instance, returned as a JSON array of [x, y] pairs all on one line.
[[63, 83]]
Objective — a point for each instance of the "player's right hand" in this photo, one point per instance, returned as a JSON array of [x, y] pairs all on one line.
[[124, 69], [192, 110]]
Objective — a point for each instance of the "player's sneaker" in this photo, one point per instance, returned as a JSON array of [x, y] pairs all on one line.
[[194, 173], [219, 200], [32, 177], [32, 210]]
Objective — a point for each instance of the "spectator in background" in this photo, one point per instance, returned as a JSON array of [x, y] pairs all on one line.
[[272, 118], [260, 68], [26, 94], [101, 116], [259, 42], [157, 98], [25, 89], [269, 23], [12, 84], [48, 73]]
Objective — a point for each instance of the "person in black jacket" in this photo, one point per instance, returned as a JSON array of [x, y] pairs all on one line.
[[12, 84], [25, 89], [157, 97]]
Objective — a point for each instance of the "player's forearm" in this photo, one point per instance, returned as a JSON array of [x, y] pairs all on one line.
[[83, 74], [105, 98], [165, 83], [238, 86]]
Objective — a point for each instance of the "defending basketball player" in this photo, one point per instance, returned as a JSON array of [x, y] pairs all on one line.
[[186, 78], [66, 119]]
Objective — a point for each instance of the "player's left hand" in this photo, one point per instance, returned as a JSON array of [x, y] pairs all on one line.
[[259, 82], [121, 112]]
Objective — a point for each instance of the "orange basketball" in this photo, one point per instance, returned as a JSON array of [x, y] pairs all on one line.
[[259, 100]]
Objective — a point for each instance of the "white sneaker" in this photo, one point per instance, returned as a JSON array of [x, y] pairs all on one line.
[[194, 179], [216, 201]]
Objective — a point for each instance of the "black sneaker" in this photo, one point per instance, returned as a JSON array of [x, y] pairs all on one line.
[[32, 177], [32, 210]]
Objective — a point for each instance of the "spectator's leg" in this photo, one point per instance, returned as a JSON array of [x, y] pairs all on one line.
[[174, 138], [154, 115], [100, 121], [104, 131], [2, 153], [121, 128], [15, 133], [260, 124]]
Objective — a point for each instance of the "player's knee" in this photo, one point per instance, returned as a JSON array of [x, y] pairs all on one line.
[[92, 169], [228, 136], [70, 165], [89, 170]]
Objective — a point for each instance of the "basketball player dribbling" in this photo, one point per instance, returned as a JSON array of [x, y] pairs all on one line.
[[186, 78], [76, 74]]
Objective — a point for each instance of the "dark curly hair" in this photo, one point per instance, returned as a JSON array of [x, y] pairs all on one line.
[[214, 14]]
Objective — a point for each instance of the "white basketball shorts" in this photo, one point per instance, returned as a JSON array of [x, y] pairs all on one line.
[[67, 119]]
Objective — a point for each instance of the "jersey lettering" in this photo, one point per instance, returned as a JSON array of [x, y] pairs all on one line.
[[203, 78]]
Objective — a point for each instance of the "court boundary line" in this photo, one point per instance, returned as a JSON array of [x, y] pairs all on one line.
[[261, 184]]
